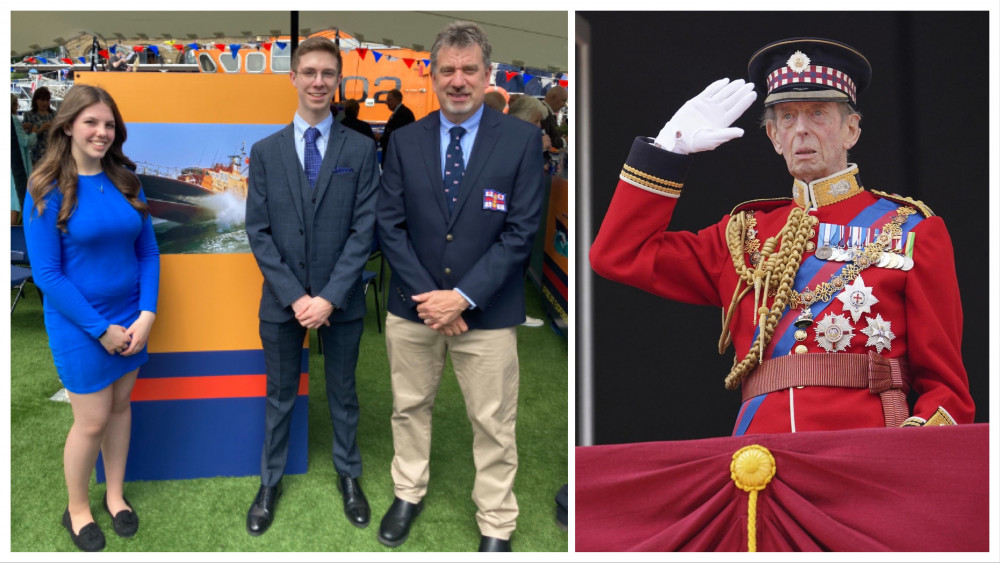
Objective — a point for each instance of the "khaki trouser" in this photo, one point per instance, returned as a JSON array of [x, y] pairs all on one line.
[[486, 367]]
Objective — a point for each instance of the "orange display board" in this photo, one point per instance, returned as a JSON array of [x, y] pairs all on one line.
[[163, 97], [207, 302], [198, 403]]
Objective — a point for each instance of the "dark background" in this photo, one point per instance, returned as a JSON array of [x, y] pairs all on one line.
[[657, 373]]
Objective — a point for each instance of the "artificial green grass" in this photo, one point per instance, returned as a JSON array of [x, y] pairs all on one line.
[[210, 514]]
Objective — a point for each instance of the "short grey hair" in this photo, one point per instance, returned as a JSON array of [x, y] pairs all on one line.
[[525, 108], [846, 110], [461, 34]]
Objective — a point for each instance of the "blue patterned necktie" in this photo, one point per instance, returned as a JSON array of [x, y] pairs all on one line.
[[313, 158], [454, 167]]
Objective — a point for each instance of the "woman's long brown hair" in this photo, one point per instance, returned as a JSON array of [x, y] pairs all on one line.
[[57, 169]]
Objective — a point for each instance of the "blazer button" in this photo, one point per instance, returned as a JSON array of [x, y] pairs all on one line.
[[301, 232], [447, 271], [449, 237], [302, 264], [314, 200]]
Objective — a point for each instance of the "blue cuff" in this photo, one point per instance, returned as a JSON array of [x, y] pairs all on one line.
[[472, 304]]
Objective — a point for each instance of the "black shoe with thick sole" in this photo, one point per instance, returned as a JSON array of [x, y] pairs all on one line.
[[488, 543], [395, 526]]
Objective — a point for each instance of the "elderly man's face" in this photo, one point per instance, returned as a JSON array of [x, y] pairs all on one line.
[[460, 81], [813, 137], [558, 99]]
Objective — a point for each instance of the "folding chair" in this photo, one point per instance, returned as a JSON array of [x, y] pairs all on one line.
[[20, 270], [369, 277]]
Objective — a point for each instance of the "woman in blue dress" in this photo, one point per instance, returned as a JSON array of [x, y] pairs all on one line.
[[94, 256]]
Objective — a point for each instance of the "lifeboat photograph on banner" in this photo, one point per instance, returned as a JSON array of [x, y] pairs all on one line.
[[196, 189]]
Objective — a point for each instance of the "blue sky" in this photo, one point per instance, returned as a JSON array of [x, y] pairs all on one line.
[[179, 145]]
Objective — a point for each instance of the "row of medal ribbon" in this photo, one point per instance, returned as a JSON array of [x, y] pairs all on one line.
[[840, 243]]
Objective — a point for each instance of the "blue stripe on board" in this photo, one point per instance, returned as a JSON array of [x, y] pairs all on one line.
[[219, 362], [198, 438]]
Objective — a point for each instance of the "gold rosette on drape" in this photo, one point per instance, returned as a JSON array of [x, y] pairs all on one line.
[[752, 469]]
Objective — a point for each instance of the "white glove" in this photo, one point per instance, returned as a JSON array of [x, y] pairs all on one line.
[[703, 122]]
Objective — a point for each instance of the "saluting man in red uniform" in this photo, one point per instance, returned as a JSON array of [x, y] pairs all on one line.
[[839, 300]]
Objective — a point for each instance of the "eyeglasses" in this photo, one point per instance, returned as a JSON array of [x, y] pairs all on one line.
[[310, 74]]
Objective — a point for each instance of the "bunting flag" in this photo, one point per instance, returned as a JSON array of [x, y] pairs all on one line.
[[280, 44], [564, 83], [137, 48], [103, 53], [194, 46], [409, 63], [528, 78], [511, 74], [377, 55], [83, 59], [178, 46], [362, 52], [169, 42], [67, 61], [112, 48], [234, 48], [44, 60], [266, 46], [155, 50], [427, 63], [220, 46]]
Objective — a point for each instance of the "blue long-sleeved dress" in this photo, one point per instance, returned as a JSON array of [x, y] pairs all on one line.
[[103, 271]]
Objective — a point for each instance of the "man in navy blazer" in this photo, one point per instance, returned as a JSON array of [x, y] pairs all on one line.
[[401, 117], [310, 219], [460, 203]]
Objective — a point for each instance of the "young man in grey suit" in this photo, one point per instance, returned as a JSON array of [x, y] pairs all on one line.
[[459, 205], [310, 220]]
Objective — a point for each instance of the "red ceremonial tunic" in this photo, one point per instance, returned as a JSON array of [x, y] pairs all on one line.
[[913, 317]]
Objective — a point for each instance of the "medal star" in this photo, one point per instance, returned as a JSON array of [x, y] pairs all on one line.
[[857, 298], [834, 333], [879, 332]]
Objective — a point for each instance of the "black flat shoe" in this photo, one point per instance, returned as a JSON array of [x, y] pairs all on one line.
[[487, 543], [261, 512], [126, 522], [395, 526], [355, 504], [90, 538]]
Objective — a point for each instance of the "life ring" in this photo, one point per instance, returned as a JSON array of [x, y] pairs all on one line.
[[504, 93]]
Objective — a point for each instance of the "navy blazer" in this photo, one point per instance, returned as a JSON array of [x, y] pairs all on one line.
[[479, 248], [343, 209]]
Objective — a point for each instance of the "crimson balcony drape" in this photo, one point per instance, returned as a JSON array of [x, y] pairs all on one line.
[[880, 489]]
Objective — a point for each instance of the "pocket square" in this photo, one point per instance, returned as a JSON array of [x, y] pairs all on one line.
[[343, 170]]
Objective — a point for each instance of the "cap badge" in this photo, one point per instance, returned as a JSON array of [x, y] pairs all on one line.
[[798, 62]]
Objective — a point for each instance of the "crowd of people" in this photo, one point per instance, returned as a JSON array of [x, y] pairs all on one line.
[[458, 260]]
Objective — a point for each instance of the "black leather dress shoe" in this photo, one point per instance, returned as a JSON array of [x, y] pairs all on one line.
[[395, 527], [90, 538], [355, 504], [126, 522], [487, 543], [262, 510]]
